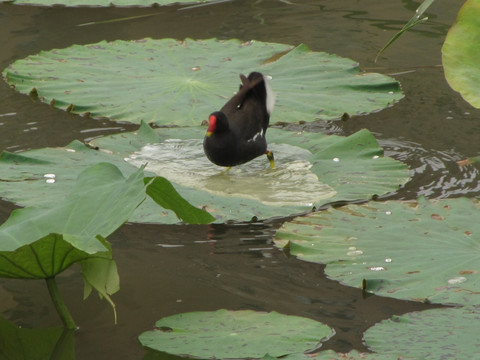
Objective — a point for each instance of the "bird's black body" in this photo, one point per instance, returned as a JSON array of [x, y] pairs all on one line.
[[236, 133]]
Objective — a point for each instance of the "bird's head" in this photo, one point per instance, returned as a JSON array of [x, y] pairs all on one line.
[[217, 122]]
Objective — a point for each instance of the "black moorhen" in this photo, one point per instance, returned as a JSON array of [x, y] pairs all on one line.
[[236, 133]]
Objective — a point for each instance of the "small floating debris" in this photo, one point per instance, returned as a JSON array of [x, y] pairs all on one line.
[[170, 245], [376, 268], [8, 114], [50, 178], [457, 280]]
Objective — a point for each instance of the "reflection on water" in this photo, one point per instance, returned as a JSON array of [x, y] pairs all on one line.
[[291, 183], [435, 174]]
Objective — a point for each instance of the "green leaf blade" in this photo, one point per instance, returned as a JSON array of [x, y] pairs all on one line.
[[414, 21], [165, 195]]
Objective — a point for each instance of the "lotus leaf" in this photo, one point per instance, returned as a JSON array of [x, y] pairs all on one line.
[[102, 2], [98, 204], [180, 82], [312, 169], [234, 334], [428, 335], [352, 355], [460, 53], [328, 168], [41, 177], [425, 250], [41, 242]]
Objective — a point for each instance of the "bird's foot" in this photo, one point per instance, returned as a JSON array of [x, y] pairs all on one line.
[[270, 159]]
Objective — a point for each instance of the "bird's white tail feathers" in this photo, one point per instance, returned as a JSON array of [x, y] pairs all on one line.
[[270, 103]]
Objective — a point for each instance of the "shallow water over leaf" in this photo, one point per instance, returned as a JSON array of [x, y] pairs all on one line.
[[290, 183]]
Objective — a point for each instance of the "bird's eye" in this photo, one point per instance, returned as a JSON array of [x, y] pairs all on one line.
[[239, 106]]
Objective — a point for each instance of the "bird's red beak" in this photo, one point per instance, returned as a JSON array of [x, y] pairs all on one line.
[[212, 124]]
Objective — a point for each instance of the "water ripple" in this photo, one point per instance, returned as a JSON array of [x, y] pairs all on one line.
[[435, 174]]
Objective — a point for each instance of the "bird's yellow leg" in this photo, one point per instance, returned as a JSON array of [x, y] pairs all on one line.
[[270, 159]]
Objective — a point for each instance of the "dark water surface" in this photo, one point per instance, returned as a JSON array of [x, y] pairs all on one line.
[[236, 266]]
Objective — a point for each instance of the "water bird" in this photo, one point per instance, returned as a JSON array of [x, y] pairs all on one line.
[[236, 133]]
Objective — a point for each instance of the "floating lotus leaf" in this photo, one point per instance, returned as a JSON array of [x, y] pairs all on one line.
[[312, 169], [181, 82], [351, 355], [428, 335], [103, 2], [425, 250], [234, 334], [460, 53]]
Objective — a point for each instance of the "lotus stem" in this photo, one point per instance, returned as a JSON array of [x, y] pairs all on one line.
[[60, 306]]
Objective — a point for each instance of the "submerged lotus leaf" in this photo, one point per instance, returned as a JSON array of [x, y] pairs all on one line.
[[312, 169], [460, 53], [234, 334], [184, 162], [103, 2], [181, 82], [428, 335], [425, 250]]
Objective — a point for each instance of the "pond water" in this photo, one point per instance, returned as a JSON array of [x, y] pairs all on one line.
[[165, 270]]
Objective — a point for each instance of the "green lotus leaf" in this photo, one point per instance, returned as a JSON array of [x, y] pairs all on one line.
[[312, 169], [351, 355], [164, 194], [102, 2], [460, 53], [234, 334], [181, 82], [428, 335], [425, 250], [43, 176], [100, 201], [39, 242], [100, 273]]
